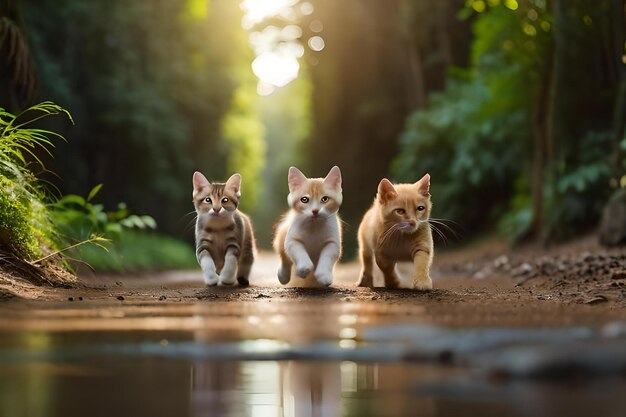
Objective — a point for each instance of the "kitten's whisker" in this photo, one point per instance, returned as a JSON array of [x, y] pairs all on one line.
[[439, 233], [448, 228], [188, 214], [445, 220], [387, 234], [191, 224]]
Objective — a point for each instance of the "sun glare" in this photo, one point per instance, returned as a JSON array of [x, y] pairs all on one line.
[[274, 70], [258, 10], [277, 49]]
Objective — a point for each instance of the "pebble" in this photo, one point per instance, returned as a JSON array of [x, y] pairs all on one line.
[[121, 298], [261, 295]]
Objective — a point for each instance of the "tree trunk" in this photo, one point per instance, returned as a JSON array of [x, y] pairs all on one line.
[[417, 91], [542, 132], [443, 35], [619, 111]]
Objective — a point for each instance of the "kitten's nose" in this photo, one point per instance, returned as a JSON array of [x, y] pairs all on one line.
[[315, 211], [412, 223]]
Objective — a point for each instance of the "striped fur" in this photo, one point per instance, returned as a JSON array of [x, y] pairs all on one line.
[[225, 245]]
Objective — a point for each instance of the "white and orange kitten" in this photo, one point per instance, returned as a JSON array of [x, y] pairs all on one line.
[[396, 229], [309, 235]]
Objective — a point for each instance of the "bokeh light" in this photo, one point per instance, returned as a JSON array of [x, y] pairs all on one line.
[[316, 43]]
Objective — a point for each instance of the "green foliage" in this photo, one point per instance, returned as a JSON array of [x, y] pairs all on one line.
[[478, 138], [78, 219], [150, 84], [580, 189], [470, 148], [131, 243], [18, 142], [138, 250], [25, 227]]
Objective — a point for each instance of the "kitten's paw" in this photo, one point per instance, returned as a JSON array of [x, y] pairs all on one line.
[[284, 274], [210, 278], [303, 270], [228, 275], [228, 280], [243, 281], [424, 284], [325, 278], [365, 281]]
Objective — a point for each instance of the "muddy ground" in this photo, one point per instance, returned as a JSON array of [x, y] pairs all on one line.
[[486, 285]]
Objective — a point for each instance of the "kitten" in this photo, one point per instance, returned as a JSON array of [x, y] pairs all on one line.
[[396, 229], [309, 236], [225, 244]]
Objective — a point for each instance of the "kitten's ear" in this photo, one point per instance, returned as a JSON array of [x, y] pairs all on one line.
[[423, 185], [199, 181], [234, 184], [295, 179], [333, 179], [386, 190]]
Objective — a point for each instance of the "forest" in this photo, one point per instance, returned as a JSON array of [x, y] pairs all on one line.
[[515, 108]]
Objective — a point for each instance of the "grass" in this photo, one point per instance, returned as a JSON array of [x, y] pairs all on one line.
[[138, 250], [26, 230]]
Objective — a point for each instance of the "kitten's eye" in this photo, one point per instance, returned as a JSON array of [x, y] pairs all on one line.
[[420, 208], [400, 211], [324, 199], [305, 200], [225, 200], [208, 200]]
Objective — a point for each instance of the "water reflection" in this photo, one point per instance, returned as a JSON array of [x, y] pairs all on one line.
[[157, 386]]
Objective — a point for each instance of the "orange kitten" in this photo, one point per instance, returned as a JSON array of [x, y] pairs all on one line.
[[309, 236], [224, 238], [396, 229]]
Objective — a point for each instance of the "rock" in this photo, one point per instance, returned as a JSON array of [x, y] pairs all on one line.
[[561, 360], [523, 270], [597, 300], [613, 223], [501, 261], [618, 274], [162, 298], [121, 298]]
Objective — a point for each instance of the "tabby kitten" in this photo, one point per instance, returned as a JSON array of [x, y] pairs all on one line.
[[309, 236], [225, 244], [396, 229]]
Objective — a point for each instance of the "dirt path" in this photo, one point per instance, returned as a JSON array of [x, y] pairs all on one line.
[[486, 286]]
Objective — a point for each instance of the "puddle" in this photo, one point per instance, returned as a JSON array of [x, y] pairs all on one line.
[[158, 386], [277, 360]]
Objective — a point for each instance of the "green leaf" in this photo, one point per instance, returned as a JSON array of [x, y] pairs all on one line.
[[72, 199], [94, 191]]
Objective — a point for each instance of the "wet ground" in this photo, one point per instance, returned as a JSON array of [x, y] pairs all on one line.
[[521, 336]]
